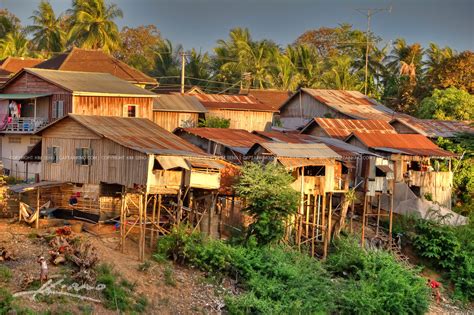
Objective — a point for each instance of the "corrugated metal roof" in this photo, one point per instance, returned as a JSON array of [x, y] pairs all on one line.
[[351, 103], [300, 162], [233, 102], [436, 128], [139, 134], [346, 150], [300, 150], [90, 82], [412, 144], [178, 103], [237, 138], [93, 60], [273, 98], [342, 128]]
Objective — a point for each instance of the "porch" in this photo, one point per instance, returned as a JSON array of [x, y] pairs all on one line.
[[23, 113]]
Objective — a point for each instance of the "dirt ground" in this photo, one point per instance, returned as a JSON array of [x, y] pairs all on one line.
[[189, 293]]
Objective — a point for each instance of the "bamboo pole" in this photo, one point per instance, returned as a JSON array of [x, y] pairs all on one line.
[[363, 221], [37, 208], [378, 214], [352, 216], [313, 235], [153, 220], [329, 228]]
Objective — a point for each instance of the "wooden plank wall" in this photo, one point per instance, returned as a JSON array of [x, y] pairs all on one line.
[[28, 83], [248, 120], [114, 164], [172, 120], [112, 106]]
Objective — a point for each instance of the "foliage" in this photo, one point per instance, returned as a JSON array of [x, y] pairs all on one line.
[[373, 282], [278, 280], [449, 104], [447, 249], [269, 199], [6, 300], [92, 25], [119, 295], [5, 274], [453, 70], [214, 122], [463, 175]]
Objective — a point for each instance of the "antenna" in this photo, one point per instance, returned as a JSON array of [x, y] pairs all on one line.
[[369, 13]]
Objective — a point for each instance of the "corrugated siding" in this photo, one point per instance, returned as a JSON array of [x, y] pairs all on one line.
[[172, 120], [247, 120]]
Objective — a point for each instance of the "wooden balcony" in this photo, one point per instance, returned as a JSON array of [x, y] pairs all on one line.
[[25, 124]]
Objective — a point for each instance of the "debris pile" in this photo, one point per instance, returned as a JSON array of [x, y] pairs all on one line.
[[67, 248], [6, 254]]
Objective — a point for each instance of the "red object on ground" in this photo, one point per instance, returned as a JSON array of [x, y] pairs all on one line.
[[434, 284]]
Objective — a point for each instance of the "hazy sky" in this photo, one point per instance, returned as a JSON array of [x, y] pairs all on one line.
[[200, 23]]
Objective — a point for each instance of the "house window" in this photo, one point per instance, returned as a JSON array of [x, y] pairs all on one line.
[[131, 110], [34, 140], [84, 156], [53, 154], [58, 109], [14, 139]]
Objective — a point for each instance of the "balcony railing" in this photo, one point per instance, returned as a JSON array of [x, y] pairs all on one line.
[[25, 124]]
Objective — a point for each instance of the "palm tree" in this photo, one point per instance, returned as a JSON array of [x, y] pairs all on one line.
[[14, 44], [93, 26], [342, 75], [406, 59], [437, 55], [198, 67], [48, 35], [167, 63]]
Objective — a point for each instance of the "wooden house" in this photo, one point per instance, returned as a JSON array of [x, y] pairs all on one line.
[[244, 112], [115, 154], [231, 144], [431, 128], [412, 161], [93, 60], [342, 128], [12, 65], [35, 97], [177, 111], [307, 104]]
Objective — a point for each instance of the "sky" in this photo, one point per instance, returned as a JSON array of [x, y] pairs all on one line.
[[200, 23]]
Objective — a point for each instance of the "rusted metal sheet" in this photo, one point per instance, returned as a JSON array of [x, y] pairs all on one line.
[[352, 103], [435, 128], [226, 137], [300, 150], [171, 162], [178, 103], [205, 163], [342, 128], [412, 144], [138, 134], [300, 162], [234, 102], [273, 98]]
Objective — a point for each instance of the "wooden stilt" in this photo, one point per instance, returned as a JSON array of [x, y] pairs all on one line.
[[153, 222], [313, 234], [140, 221], [123, 222], [329, 226], [352, 216], [37, 207], [323, 217], [379, 203], [363, 221], [158, 214]]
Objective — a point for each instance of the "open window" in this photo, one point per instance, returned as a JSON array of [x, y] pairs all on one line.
[[84, 156], [53, 155], [130, 110]]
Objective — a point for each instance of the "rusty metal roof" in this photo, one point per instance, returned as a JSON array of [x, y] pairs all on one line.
[[139, 134], [286, 137], [273, 98], [342, 128], [233, 102], [300, 150], [90, 83], [93, 60], [435, 128], [411, 144], [350, 103], [228, 137], [300, 162], [177, 103]]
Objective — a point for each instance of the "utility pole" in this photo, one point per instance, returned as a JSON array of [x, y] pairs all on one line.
[[183, 67], [368, 13]]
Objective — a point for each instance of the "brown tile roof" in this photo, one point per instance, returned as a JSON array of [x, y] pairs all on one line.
[[342, 128], [233, 102], [15, 64], [411, 144], [86, 60], [139, 134], [227, 137], [435, 128], [273, 98]]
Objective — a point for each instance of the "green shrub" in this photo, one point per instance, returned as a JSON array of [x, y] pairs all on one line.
[[5, 274], [6, 300], [278, 280], [373, 282], [214, 122], [116, 296]]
